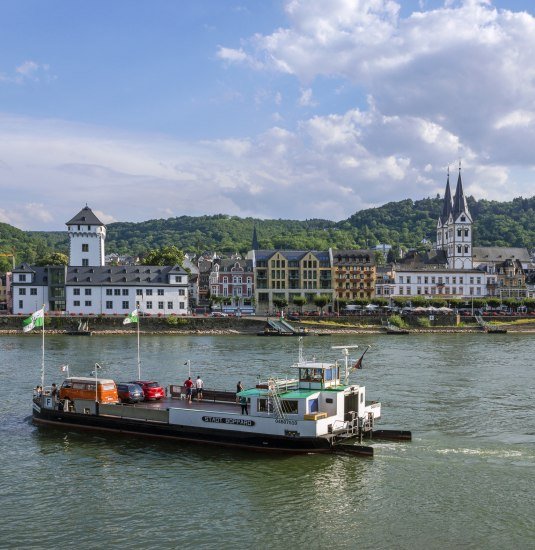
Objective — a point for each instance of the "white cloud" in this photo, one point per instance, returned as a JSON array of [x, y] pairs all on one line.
[[26, 72], [306, 100], [232, 55]]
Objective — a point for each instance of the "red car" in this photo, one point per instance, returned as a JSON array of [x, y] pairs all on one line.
[[151, 389]]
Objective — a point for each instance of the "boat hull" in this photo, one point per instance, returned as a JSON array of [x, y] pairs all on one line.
[[133, 427]]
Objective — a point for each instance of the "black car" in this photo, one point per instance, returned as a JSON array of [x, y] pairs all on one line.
[[129, 393]]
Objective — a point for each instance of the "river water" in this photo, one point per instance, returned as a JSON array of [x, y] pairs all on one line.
[[466, 480]]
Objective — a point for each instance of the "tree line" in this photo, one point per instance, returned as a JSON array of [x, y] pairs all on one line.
[[403, 224]]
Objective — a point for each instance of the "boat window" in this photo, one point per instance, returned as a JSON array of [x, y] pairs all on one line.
[[289, 406], [362, 398], [329, 400], [79, 386], [67, 384], [108, 386], [264, 405]]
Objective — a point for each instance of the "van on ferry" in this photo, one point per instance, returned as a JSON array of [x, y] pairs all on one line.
[[84, 388]]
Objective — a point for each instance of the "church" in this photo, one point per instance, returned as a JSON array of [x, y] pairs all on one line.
[[89, 287], [449, 271]]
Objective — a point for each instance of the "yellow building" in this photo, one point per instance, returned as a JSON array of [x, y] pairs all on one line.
[[355, 274], [291, 274]]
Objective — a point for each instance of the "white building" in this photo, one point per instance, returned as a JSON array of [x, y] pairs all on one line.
[[88, 287]]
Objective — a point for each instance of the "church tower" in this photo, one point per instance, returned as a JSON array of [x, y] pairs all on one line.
[[86, 237], [444, 218], [254, 244], [460, 243]]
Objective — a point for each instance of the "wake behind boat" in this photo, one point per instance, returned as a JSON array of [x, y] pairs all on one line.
[[317, 411]]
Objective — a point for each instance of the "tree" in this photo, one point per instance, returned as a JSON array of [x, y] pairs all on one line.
[[53, 258], [299, 301], [280, 303], [166, 255], [321, 300]]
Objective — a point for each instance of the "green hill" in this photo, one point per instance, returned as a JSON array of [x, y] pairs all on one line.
[[406, 223]]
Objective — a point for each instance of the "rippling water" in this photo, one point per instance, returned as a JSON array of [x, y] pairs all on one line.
[[466, 480]]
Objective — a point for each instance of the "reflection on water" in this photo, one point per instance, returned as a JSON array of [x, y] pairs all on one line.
[[465, 480]]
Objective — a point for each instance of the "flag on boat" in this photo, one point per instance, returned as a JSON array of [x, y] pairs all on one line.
[[64, 368], [358, 364], [36, 320], [132, 318]]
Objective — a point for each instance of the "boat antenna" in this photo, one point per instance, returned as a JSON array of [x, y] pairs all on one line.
[[345, 353]]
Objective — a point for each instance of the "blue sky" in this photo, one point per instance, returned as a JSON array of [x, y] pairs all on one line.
[[285, 109]]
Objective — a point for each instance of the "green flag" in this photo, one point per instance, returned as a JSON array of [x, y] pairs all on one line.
[[132, 318], [36, 320]]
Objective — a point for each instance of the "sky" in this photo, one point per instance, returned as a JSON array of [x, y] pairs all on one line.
[[292, 109]]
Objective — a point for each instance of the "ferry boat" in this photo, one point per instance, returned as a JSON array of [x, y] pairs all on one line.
[[317, 411]]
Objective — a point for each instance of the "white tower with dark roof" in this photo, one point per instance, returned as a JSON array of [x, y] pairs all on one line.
[[86, 235], [454, 227]]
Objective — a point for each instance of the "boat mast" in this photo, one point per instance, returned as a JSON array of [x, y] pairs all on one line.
[[138, 354], [345, 353], [43, 352]]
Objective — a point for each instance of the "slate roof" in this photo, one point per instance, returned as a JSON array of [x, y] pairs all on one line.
[[491, 254], [123, 275], [292, 254], [86, 216]]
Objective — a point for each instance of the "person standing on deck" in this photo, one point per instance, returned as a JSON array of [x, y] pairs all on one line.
[[199, 385], [243, 403], [188, 384], [239, 388]]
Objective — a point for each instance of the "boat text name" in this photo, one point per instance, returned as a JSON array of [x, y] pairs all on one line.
[[235, 421]]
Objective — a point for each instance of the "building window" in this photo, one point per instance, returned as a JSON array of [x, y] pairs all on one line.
[[87, 292], [85, 262], [160, 292], [125, 292], [169, 305], [459, 249], [109, 292], [85, 248], [88, 303], [148, 292], [33, 292], [149, 305], [126, 304], [109, 304], [160, 305], [22, 292], [178, 279], [181, 292], [21, 304], [76, 303], [22, 278], [76, 291], [466, 249], [139, 292], [117, 291], [181, 305]]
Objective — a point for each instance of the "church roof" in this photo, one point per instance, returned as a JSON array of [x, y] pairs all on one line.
[[459, 200], [446, 208], [86, 216]]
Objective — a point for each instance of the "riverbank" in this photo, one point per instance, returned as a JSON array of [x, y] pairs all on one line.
[[235, 326]]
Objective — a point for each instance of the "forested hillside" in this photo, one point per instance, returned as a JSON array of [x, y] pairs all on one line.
[[406, 223]]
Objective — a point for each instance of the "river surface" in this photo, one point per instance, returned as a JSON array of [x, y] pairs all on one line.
[[467, 480]]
